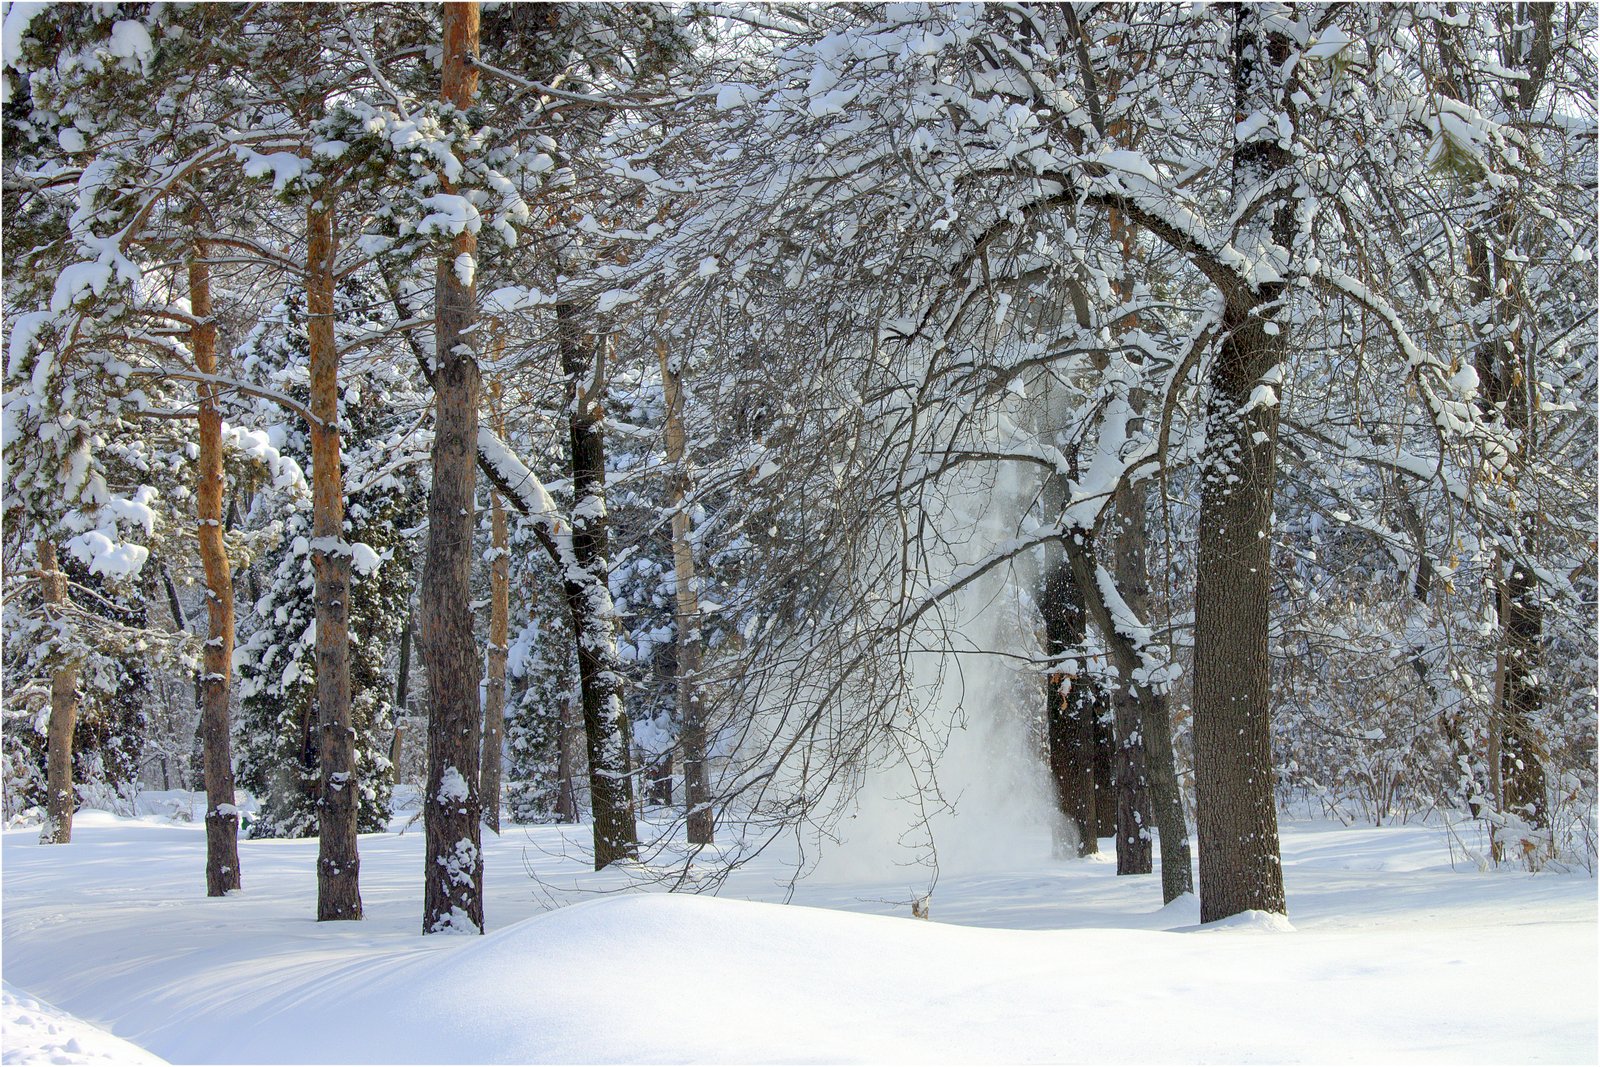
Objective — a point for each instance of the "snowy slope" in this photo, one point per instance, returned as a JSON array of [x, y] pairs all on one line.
[[1393, 954], [36, 1032]]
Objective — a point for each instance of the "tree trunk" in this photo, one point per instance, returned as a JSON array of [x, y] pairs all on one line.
[[1240, 867], [1072, 705], [1132, 780], [494, 703], [1105, 763], [453, 894], [691, 711], [222, 816], [402, 694], [589, 599], [566, 760], [61, 798], [338, 858], [1155, 724]]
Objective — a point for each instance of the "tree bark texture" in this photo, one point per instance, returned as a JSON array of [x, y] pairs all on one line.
[[453, 875], [338, 858], [691, 708], [61, 797], [588, 597], [1240, 868], [1071, 710], [494, 700], [1132, 780], [222, 816]]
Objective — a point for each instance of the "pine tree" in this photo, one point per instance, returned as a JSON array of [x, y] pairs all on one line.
[[278, 751]]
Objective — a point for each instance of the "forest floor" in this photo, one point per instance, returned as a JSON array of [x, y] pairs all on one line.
[[1397, 948]]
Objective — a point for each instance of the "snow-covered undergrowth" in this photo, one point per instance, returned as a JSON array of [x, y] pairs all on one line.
[[1390, 953]]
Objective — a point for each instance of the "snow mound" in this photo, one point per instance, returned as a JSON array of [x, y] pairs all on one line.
[[36, 1032], [1256, 922]]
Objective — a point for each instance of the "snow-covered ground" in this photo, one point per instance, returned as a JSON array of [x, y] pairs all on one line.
[[1393, 954]]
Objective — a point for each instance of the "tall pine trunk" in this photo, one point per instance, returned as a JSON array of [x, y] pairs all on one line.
[[61, 797], [1240, 866], [453, 865], [691, 709], [338, 859], [222, 816], [588, 597]]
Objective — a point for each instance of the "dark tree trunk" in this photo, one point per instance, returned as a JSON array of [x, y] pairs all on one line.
[[453, 867], [402, 695], [1132, 780], [1072, 706], [1240, 867], [593, 616], [338, 858], [222, 816], [1105, 765], [691, 709], [1155, 725], [494, 702], [566, 763], [61, 797]]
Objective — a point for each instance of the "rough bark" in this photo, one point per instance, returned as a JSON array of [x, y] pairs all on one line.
[[338, 858], [453, 891], [494, 701], [61, 797], [1132, 780], [593, 616], [1072, 706], [222, 816], [691, 708], [1237, 817]]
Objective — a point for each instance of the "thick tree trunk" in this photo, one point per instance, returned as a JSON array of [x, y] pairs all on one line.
[[1238, 819], [61, 798], [338, 859], [222, 816], [589, 599], [1105, 764], [691, 710], [494, 702], [1072, 706], [1132, 780], [1240, 867], [453, 893]]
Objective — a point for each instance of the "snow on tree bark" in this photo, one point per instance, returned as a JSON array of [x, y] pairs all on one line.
[[584, 580], [1240, 868], [338, 857], [1071, 708], [453, 895]]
